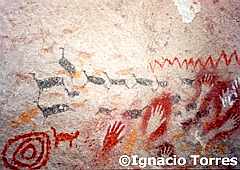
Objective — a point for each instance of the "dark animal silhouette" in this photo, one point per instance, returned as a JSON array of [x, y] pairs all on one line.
[[66, 64], [94, 80], [119, 82], [187, 81], [134, 113], [50, 82], [105, 110], [142, 81], [162, 83], [54, 109]]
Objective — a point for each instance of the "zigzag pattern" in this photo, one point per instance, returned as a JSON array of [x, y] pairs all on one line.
[[195, 63]]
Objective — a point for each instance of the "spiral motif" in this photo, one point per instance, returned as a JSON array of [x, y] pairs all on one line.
[[30, 150]]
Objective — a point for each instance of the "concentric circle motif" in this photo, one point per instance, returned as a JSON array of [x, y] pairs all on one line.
[[30, 150]]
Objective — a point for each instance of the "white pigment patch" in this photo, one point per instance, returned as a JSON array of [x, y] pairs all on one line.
[[188, 9]]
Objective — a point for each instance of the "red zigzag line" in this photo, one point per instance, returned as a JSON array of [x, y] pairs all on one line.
[[197, 62]]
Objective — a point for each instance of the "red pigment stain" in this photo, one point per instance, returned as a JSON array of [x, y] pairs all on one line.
[[26, 143], [220, 120], [64, 137], [204, 78], [166, 103], [213, 96], [196, 62]]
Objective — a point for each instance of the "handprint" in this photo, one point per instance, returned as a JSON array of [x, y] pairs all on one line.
[[166, 150], [232, 122], [228, 98], [156, 119], [111, 138]]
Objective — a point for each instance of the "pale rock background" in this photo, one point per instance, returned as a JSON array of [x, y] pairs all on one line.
[[107, 35]]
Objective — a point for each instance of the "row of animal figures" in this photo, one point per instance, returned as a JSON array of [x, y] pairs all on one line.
[[55, 81], [47, 83]]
